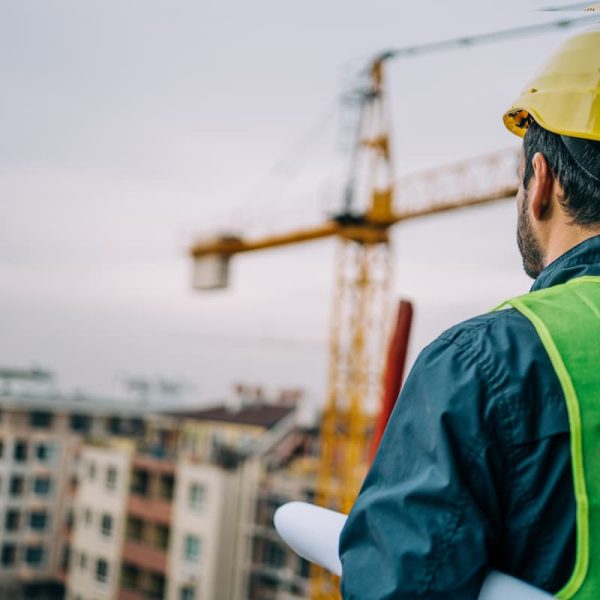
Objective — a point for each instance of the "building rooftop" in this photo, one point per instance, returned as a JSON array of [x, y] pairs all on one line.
[[260, 415], [73, 404], [26, 374]]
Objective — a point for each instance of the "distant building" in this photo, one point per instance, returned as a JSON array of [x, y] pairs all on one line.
[[274, 572], [41, 436], [103, 500]]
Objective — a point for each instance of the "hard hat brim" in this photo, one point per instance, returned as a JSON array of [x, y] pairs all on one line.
[[564, 97]]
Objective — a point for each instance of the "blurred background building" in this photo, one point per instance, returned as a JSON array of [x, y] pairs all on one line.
[[102, 499]]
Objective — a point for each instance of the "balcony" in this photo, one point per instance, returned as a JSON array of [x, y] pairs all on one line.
[[145, 557], [137, 584], [153, 465], [126, 594], [149, 509], [152, 489]]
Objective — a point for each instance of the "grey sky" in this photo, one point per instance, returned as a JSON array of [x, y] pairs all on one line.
[[127, 127]]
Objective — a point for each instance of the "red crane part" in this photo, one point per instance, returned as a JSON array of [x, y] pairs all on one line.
[[394, 371]]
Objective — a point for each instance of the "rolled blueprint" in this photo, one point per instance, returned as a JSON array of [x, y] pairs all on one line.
[[314, 533]]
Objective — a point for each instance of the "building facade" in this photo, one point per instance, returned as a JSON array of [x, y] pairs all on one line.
[[41, 438], [102, 500]]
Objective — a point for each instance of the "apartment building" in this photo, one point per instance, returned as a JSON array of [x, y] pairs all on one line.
[[35, 465], [103, 500], [100, 520], [181, 529], [202, 557], [41, 435]]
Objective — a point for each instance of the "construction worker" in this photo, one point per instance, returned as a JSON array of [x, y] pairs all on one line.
[[491, 459]]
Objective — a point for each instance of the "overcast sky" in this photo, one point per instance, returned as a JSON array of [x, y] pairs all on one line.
[[127, 127]]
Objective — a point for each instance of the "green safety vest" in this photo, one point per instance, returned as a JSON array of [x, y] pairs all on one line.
[[567, 319]]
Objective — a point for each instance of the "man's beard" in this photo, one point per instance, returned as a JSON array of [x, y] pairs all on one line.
[[529, 247]]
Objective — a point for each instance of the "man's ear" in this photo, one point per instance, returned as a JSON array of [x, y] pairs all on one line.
[[540, 188]]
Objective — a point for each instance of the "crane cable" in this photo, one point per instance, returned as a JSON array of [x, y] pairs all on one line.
[[288, 166]]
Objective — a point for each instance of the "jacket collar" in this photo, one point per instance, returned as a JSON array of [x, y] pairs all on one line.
[[583, 259]]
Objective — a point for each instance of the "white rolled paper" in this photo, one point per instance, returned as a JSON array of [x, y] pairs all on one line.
[[314, 533]]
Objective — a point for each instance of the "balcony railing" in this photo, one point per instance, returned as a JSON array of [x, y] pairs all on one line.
[[145, 557], [149, 509]]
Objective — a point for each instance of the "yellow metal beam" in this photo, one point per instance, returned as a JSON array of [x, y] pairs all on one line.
[[367, 232], [229, 245]]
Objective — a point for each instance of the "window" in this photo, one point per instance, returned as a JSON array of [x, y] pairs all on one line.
[[167, 486], [41, 419], [8, 556], [80, 423], [87, 516], [304, 568], [101, 570], [38, 520], [140, 483], [130, 576], [111, 478], [45, 451], [34, 555], [92, 470], [17, 485], [106, 525], [136, 426], [12, 520], [114, 425], [156, 585], [274, 554], [83, 561], [42, 486], [70, 519], [1, 448], [20, 451], [187, 593], [161, 538], [65, 558], [191, 550], [135, 529], [197, 496]]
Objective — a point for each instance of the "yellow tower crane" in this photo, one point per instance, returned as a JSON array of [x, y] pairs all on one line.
[[362, 275]]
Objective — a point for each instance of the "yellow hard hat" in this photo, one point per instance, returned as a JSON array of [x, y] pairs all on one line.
[[564, 98]]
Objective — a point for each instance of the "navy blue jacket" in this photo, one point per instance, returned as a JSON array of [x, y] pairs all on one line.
[[474, 469]]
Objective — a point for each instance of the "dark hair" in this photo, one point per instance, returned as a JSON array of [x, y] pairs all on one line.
[[581, 191]]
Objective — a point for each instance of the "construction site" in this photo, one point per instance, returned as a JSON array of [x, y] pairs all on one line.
[[317, 286]]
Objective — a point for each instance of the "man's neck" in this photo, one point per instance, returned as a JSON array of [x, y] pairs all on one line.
[[565, 239]]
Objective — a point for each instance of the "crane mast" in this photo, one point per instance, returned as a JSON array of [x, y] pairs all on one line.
[[363, 268], [359, 309]]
